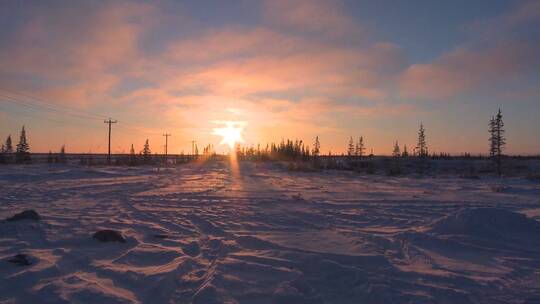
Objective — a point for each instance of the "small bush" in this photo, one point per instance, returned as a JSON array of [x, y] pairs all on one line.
[[395, 170], [470, 173], [302, 167], [498, 188], [533, 176]]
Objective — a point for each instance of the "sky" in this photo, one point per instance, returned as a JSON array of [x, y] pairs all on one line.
[[281, 69]]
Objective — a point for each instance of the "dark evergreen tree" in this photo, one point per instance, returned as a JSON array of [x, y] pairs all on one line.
[[421, 147], [8, 150], [350, 149], [396, 151], [492, 137], [316, 147], [405, 152], [132, 156], [360, 148], [497, 140], [22, 154], [147, 154], [8, 147], [62, 156]]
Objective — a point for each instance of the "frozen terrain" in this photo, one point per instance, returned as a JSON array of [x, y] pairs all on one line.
[[201, 234]]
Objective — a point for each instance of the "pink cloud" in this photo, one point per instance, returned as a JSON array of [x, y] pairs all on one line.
[[219, 44], [87, 60], [464, 69], [311, 67], [56, 45], [312, 16], [74, 55], [196, 79]]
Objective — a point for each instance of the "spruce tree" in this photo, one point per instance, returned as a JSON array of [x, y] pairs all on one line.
[[421, 147], [147, 154], [405, 152], [396, 152], [350, 150], [497, 140], [316, 147], [8, 147], [8, 150], [132, 156], [62, 157], [22, 154], [361, 147], [492, 137]]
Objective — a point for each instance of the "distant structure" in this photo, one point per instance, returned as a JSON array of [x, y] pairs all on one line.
[[166, 143], [193, 147], [110, 122]]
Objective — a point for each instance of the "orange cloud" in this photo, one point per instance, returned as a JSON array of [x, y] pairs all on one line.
[[275, 79], [311, 68]]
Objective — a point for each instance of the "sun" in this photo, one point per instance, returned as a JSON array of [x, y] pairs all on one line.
[[231, 133]]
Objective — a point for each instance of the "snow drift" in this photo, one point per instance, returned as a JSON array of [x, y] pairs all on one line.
[[488, 223], [199, 234]]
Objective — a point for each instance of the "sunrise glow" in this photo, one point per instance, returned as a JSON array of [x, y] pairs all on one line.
[[231, 133]]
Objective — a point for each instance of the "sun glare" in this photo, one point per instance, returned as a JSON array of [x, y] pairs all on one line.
[[231, 133]]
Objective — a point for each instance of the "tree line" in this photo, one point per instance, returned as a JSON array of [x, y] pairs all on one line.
[[21, 154], [287, 150]]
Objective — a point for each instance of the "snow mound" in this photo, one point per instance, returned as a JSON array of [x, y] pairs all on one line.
[[25, 215], [108, 235], [490, 223]]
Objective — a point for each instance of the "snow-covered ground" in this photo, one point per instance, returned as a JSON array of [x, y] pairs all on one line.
[[201, 234]]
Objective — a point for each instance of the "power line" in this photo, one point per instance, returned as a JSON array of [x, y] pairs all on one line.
[[44, 101], [38, 107], [142, 131], [19, 111], [67, 111]]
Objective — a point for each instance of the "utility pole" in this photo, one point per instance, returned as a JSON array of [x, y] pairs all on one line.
[[193, 147], [110, 122], [166, 142]]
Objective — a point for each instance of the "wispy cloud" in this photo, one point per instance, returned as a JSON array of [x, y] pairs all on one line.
[[464, 70], [500, 51]]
